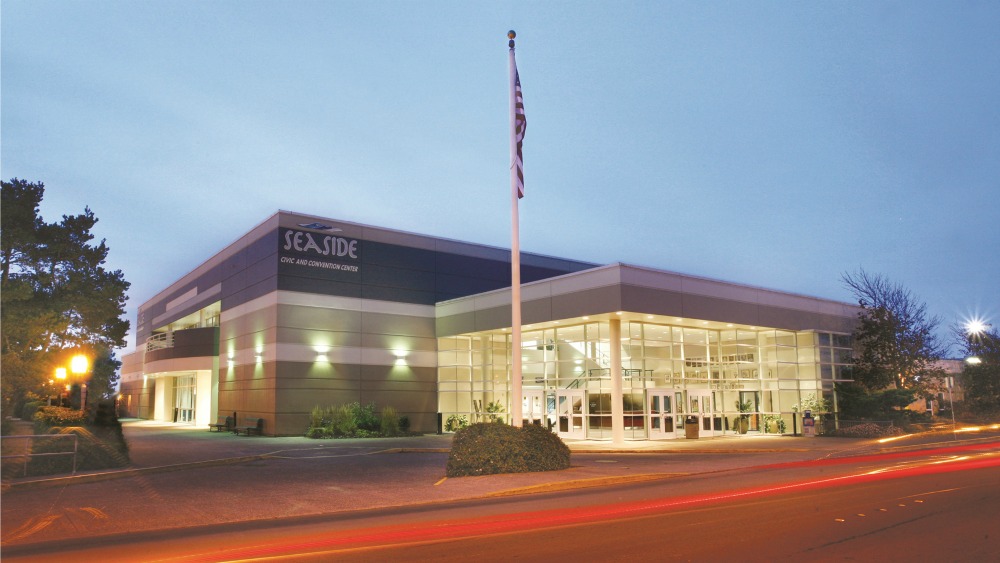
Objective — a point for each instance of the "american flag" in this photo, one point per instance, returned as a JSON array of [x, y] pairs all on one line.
[[520, 124]]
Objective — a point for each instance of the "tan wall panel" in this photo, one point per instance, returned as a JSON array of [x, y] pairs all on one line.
[[380, 323], [399, 342], [257, 321], [398, 377], [311, 336], [296, 316]]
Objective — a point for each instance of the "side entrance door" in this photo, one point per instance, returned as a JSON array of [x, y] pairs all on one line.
[[571, 411], [665, 416], [701, 406]]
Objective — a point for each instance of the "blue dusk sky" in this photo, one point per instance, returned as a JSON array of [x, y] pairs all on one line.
[[774, 144]]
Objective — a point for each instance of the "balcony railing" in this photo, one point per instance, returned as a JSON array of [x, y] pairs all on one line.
[[159, 341]]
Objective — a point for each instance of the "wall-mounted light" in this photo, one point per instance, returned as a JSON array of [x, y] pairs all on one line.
[[400, 357]]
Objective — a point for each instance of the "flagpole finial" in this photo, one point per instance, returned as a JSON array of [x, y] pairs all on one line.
[[511, 35]]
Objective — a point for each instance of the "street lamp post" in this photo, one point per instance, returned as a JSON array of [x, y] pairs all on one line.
[[951, 404], [79, 365], [61, 379]]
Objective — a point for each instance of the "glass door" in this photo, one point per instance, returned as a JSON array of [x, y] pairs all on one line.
[[571, 411], [184, 399], [701, 406], [533, 407], [663, 421]]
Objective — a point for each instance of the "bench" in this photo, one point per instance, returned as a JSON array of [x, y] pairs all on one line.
[[250, 427], [225, 423]]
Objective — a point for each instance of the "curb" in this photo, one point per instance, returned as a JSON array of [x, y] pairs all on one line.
[[584, 483]]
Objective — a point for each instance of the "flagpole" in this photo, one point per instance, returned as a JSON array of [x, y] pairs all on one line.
[[515, 254]]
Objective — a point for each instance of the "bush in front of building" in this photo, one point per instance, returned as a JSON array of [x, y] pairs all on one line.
[[488, 448], [866, 430], [389, 422], [100, 442], [355, 420]]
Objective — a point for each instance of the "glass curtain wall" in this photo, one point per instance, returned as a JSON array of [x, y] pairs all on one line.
[[751, 380]]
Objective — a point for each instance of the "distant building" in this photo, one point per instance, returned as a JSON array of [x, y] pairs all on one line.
[[304, 311], [943, 396]]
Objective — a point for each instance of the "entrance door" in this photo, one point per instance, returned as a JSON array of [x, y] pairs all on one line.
[[185, 398], [571, 410], [665, 420], [533, 407], [700, 405]]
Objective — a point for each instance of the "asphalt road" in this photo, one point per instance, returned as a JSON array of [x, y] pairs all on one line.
[[942, 517], [804, 507]]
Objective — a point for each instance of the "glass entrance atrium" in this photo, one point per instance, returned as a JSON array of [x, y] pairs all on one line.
[[729, 379]]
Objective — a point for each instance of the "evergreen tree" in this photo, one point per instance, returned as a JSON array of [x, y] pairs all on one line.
[[57, 297]]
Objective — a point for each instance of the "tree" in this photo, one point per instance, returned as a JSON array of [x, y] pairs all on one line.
[[895, 341], [981, 380], [56, 297]]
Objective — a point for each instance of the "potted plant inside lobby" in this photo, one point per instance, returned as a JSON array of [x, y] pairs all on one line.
[[743, 420]]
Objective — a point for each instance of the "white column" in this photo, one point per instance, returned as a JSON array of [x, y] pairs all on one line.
[[617, 412]]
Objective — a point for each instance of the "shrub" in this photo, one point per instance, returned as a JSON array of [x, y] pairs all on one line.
[[46, 418], [867, 430], [490, 448], [342, 421], [389, 423], [355, 420], [29, 409], [100, 442], [365, 417]]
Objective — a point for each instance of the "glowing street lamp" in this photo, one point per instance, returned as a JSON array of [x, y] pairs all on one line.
[[79, 364], [975, 327]]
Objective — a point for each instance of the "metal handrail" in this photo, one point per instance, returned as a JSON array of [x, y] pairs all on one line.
[[27, 455]]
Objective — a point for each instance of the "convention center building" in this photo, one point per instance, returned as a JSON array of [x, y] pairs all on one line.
[[306, 311]]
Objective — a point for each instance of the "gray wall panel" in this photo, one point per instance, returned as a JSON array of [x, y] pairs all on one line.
[[652, 301], [588, 302], [714, 309], [456, 324]]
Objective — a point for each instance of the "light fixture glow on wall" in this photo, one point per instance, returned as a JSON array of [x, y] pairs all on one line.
[[400, 357]]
